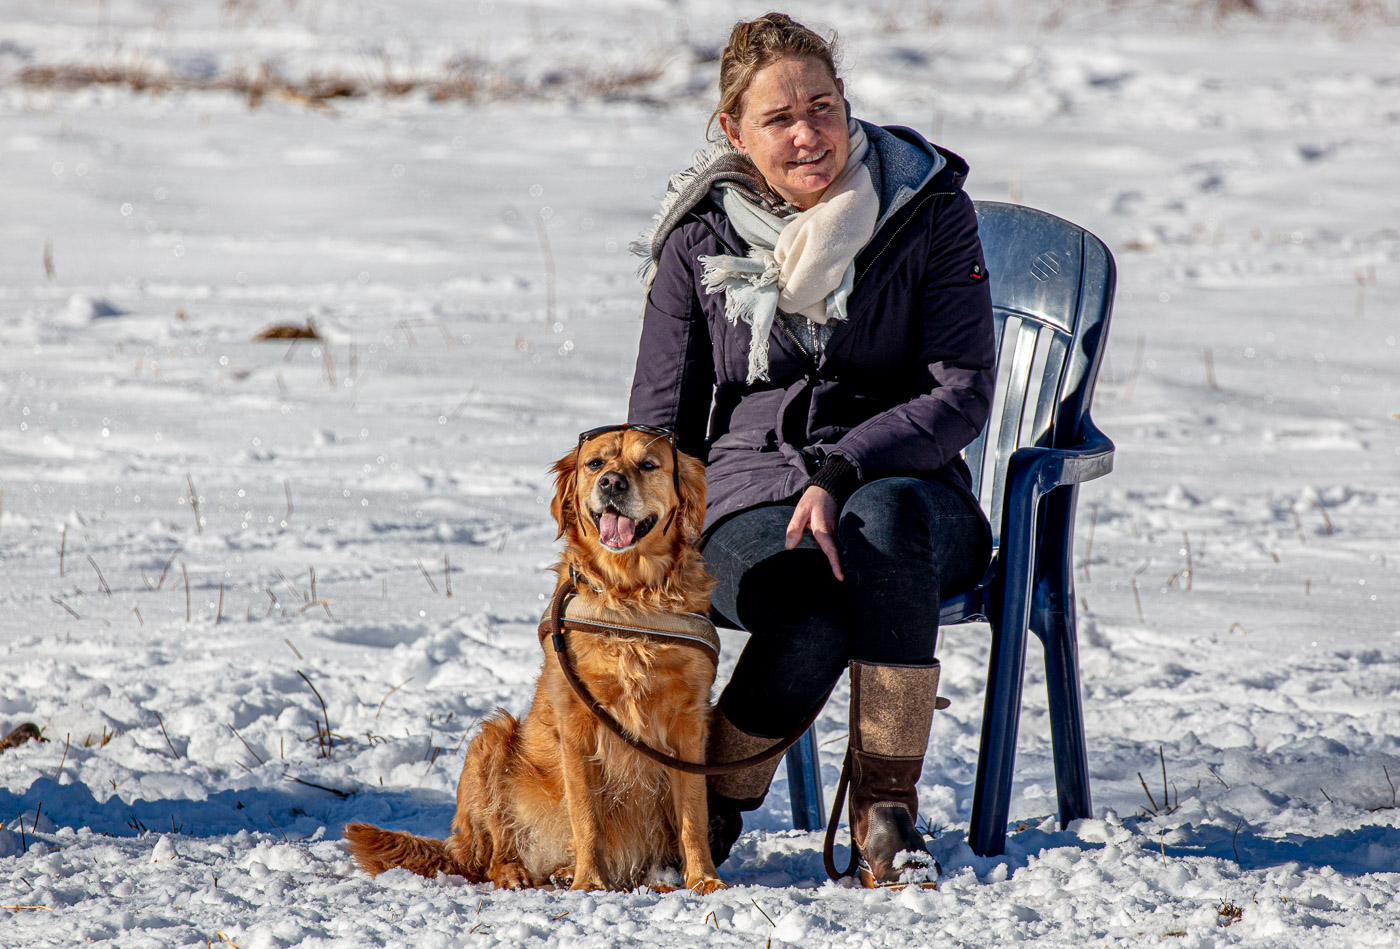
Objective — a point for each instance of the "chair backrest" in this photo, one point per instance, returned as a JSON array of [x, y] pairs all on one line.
[[1052, 294]]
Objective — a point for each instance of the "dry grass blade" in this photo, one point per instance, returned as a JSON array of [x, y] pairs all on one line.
[[167, 736], [65, 606], [166, 569], [64, 759], [1392, 805], [324, 604], [389, 693], [320, 787], [1326, 521], [184, 573], [329, 740], [194, 505], [1161, 756], [245, 744], [424, 570], [1150, 799], [295, 592], [62, 548]]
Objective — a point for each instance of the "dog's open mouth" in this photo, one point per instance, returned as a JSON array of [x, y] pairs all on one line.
[[617, 532]]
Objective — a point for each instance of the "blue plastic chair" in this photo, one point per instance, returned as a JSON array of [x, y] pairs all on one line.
[[1052, 295]]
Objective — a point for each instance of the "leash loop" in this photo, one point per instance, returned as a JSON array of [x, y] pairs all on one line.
[[556, 631]]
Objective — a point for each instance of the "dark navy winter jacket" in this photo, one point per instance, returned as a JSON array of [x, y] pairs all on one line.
[[904, 384]]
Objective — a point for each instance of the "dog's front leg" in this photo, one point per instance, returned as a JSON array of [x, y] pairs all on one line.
[[692, 818], [584, 820]]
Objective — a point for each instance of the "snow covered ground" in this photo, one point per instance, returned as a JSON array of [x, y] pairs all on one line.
[[371, 512]]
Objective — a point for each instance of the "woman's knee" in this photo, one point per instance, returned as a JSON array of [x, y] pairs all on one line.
[[897, 525], [886, 508]]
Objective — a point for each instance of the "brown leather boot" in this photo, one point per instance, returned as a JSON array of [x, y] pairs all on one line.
[[731, 794], [891, 713]]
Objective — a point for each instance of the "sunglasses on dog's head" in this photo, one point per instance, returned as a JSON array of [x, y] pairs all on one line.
[[666, 433]]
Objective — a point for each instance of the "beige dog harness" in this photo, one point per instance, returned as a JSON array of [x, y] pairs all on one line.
[[588, 616], [688, 629]]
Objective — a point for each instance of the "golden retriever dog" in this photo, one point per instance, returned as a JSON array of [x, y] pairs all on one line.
[[556, 796]]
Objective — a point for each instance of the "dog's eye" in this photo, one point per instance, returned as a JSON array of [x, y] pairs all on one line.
[[648, 466], [593, 464]]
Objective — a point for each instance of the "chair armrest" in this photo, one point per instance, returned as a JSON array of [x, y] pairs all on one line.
[[1031, 474], [1038, 470]]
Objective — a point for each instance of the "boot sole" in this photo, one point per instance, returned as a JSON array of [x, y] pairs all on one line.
[[868, 881]]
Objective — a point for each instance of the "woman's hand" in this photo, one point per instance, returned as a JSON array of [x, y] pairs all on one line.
[[817, 511]]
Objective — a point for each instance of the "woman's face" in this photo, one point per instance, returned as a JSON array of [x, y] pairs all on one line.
[[792, 124]]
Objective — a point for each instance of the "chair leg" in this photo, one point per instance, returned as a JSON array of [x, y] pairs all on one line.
[[991, 796], [1066, 710], [805, 783]]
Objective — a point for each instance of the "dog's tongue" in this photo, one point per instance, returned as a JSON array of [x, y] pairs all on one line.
[[616, 530]]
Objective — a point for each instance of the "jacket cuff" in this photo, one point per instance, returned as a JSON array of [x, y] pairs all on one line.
[[838, 477]]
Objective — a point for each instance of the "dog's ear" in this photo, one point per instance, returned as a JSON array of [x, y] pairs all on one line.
[[565, 491], [691, 510]]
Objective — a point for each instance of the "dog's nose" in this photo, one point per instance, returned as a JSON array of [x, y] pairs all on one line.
[[612, 482]]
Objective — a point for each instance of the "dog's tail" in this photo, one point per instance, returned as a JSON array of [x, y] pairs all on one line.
[[377, 850]]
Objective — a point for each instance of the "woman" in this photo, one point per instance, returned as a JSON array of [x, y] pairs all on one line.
[[818, 328]]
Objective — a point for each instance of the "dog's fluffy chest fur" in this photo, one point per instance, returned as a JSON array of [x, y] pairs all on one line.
[[636, 680]]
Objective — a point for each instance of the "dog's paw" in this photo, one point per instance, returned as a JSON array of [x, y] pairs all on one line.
[[706, 885], [509, 876]]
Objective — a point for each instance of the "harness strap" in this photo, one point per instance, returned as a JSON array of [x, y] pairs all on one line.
[[556, 630]]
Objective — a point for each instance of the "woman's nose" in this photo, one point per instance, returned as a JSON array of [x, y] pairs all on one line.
[[804, 135]]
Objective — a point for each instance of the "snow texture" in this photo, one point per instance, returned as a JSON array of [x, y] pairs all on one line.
[[190, 519]]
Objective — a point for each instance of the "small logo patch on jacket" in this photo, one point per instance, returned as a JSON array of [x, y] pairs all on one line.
[[978, 272]]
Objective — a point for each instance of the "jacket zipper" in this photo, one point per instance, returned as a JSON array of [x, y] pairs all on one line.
[[899, 230], [795, 341]]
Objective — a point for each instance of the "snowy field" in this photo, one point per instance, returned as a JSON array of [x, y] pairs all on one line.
[[196, 529]]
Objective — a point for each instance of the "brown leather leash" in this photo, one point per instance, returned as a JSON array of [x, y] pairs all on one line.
[[556, 630], [829, 843]]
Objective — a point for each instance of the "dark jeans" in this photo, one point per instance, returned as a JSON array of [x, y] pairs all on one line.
[[904, 543]]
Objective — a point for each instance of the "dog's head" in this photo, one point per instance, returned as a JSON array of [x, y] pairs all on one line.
[[622, 491]]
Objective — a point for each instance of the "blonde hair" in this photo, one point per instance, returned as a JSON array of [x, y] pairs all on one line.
[[757, 44]]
